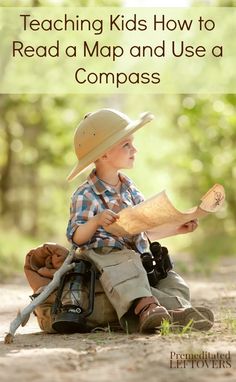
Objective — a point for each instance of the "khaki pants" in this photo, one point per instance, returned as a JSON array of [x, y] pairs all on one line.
[[123, 280]]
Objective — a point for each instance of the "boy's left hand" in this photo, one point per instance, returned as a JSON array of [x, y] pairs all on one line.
[[188, 227]]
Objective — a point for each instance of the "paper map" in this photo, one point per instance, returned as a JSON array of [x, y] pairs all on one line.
[[158, 213]]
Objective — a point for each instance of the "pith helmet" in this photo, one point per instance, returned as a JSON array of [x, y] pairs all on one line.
[[100, 131]]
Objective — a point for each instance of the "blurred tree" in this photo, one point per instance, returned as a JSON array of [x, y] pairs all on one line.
[[213, 3], [34, 145], [64, 3], [189, 147]]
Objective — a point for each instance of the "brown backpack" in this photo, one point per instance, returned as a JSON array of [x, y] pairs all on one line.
[[39, 269]]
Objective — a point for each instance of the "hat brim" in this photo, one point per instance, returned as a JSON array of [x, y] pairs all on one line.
[[133, 126]]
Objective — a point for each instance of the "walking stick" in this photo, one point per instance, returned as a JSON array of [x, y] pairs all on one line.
[[24, 315]]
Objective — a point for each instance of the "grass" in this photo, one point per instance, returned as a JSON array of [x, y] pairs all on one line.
[[167, 328], [230, 322], [228, 326]]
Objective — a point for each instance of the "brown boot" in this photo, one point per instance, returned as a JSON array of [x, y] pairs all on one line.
[[151, 314], [202, 318]]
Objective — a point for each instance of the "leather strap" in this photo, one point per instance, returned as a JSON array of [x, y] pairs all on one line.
[[145, 302]]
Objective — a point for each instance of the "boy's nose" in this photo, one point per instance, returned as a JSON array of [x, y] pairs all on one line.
[[133, 148]]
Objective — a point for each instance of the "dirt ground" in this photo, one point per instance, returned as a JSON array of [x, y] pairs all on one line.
[[117, 356]]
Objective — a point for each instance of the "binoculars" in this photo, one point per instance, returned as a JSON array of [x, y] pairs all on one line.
[[157, 263]]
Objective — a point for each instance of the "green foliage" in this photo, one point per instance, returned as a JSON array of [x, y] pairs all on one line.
[[214, 3], [189, 147], [64, 3], [13, 248], [37, 140], [185, 150]]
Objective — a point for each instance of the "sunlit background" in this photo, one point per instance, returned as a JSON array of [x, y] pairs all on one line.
[[187, 148], [158, 3]]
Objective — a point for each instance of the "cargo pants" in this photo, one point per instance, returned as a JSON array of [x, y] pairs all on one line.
[[124, 280]]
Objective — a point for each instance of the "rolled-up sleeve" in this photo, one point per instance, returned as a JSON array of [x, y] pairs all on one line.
[[82, 208]]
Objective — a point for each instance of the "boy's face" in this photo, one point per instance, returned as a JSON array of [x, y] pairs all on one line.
[[122, 155]]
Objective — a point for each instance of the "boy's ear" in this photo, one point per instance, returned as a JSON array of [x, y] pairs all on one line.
[[104, 156]]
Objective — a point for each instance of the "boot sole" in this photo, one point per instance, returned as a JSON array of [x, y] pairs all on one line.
[[203, 318]]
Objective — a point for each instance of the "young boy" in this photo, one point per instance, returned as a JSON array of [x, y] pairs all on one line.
[[105, 138]]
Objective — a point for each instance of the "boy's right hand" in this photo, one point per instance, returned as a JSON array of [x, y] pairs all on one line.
[[106, 218]]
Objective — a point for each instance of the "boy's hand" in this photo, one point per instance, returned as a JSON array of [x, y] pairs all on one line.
[[188, 227], [106, 218]]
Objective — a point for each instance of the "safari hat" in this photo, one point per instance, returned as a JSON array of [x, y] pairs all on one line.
[[100, 131]]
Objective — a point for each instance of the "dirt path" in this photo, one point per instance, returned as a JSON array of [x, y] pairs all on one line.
[[35, 356]]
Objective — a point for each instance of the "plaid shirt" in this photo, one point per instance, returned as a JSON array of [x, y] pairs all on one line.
[[86, 203]]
